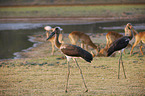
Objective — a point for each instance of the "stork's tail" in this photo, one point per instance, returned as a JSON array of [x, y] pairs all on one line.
[[109, 52], [87, 56], [87, 59]]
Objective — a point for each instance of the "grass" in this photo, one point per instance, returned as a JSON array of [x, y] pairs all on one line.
[[42, 74], [74, 11]]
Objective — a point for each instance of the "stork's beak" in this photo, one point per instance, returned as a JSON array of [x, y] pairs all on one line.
[[50, 35]]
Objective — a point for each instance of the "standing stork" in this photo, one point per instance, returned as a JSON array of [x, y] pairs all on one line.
[[71, 51], [119, 45]]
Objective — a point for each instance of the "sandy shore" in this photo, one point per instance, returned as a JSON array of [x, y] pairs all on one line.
[[66, 20]]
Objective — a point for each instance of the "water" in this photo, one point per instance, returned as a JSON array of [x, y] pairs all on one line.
[[14, 37], [12, 41]]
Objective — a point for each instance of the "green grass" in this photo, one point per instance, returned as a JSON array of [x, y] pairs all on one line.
[[74, 11], [42, 74]]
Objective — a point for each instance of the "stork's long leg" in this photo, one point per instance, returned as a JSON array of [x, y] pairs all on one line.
[[123, 70], [81, 75], [67, 76], [120, 60], [123, 66], [119, 65]]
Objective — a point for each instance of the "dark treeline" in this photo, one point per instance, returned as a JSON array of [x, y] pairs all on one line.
[[66, 2]]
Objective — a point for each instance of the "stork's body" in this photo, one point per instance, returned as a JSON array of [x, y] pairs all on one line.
[[119, 45], [71, 51]]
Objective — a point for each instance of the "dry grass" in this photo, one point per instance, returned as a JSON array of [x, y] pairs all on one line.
[[43, 75]]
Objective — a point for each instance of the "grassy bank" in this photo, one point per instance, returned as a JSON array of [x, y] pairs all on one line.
[[115, 11], [42, 74]]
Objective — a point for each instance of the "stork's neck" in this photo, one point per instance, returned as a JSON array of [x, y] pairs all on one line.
[[57, 43]]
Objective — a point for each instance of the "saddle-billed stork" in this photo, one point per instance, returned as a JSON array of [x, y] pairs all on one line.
[[71, 51], [119, 45]]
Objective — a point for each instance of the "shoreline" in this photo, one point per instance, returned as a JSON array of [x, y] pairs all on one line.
[[36, 42], [65, 19], [18, 55]]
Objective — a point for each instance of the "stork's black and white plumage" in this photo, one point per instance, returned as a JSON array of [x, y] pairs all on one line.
[[71, 51], [119, 45]]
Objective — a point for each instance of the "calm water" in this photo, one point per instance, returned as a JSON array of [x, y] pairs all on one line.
[[12, 41], [14, 36]]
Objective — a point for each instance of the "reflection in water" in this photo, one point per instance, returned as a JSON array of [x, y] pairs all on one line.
[[14, 36]]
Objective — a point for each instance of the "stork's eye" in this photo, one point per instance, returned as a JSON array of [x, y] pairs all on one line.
[[56, 28]]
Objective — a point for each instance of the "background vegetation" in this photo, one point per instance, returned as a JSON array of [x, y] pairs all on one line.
[[115, 11], [56, 2]]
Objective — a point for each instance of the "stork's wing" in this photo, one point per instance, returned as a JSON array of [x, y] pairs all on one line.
[[118, 44], [76, 51]]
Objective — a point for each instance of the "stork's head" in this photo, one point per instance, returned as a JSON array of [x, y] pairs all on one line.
[[59, 28], [129, 25], [56, 31]]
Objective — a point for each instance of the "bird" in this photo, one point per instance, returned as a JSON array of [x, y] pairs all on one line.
[[71, 51], [119, 45]]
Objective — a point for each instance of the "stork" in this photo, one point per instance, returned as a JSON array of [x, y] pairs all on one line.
[[71, 51], [119, 45]]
